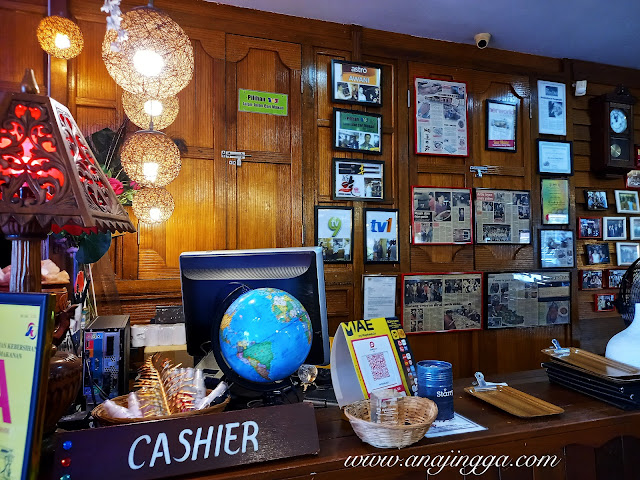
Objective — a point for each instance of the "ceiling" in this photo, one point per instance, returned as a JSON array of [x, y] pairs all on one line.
[[603, 31]]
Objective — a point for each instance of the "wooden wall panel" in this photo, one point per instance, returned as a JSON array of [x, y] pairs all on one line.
[[92, 80]]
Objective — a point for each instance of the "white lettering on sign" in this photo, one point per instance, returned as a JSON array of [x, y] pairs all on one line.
[[228, 441], [444, 393], [358, 69]]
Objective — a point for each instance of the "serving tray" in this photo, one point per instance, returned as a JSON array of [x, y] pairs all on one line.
[[515, 402], [591, 362]]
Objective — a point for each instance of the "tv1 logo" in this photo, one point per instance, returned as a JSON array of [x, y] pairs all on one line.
[[379, 227]]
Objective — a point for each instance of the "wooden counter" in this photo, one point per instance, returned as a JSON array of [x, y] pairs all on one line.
[[594, 440]]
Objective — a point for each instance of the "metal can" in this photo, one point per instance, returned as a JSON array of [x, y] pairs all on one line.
[[435, 382]]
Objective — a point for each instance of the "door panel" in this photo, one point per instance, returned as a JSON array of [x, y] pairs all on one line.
[[264, 193]]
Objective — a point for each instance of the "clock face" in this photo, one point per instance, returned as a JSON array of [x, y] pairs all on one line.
[[618, 120]]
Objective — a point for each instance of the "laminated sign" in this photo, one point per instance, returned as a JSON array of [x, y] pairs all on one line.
[[368, 355], [253, 101]]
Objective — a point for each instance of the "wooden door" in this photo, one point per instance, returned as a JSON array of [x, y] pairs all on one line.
[[264, 193]]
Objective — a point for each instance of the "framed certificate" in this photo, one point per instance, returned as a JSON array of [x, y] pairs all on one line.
[[379, 296], [555, 201], [555, 158]]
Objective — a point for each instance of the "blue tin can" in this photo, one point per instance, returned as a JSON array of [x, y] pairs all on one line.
[[435, 382]]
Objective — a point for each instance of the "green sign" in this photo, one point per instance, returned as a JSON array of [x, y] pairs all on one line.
[[360, 123], [263, 102]]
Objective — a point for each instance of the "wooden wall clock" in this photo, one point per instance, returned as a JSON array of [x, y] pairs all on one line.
[[612, 133]]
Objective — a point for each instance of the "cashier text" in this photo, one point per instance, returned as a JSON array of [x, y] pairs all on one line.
[[227, 439]]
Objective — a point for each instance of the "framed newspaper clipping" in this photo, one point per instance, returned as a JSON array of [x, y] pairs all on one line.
[[528, 299], [441, 117], [503, 216], [442, 302], [441, 215]]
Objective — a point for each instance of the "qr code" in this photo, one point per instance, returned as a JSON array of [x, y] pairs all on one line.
[[378, 366]]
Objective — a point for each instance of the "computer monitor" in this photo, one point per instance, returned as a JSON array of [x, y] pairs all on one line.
[[212, 280]]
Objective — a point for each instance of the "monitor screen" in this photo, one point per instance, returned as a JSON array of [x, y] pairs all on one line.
[[212, 280]]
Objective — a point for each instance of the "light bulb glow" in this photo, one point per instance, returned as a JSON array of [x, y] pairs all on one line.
[[148, 63], [153, 108], [155, 214], [62, 41], [150, 171]]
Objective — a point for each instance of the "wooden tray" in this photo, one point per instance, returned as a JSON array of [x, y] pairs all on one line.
[[516, 402], [593, 363]]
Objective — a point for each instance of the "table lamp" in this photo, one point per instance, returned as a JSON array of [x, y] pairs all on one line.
[[49, 180]]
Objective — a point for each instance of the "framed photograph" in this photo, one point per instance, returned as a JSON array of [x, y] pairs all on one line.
[[627, 201], [591, 279], [379, 296], [596, 200], [442, 302], [589, 227], [556, 249], [597, 253], [614, 228], [552, 111], [614, 277], [637, 149], [381, 236], [555, 158], [441, 117], [358, 180], [633, 179], [441, 215], [555, 201], [627, 253], [356, 83], [357, 131], [604, 302], [528, 299], [334, 233], [501, 127], [634, 228], [502, 216]]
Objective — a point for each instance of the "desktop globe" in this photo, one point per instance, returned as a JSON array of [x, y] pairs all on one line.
[[265, 335]]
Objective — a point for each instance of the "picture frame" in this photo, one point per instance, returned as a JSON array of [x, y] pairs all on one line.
[[634, 228], [613, 277], [501, 126], [334, 233], [528, 299], [442, 302], [449, 101], [379, 294], [361, 180], [597, 253], [502, 216], [627, 201], [441, 216], [552, 111], [591, 279], [604, 302], [555, 157], [555, 201], [637, 150], [381, 243], [355, 131], [632, 180], [596, 200], [557, 249], [589, 227], [356, 83], [627, 253], [614, 228]]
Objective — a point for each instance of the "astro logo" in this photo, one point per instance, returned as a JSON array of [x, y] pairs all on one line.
[[31, 331], [381, 226]]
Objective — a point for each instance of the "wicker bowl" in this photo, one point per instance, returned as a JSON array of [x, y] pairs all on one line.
[[416, 416], [105, 420]]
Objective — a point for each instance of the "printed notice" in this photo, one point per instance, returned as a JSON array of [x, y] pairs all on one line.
[[253, 101], [379, 296]]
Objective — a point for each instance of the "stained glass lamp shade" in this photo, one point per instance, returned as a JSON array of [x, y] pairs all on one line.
[[49, 180]]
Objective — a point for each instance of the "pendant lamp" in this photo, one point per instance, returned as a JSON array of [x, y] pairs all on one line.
[[153, 205], [143, 110], [150, 158], [60, 37], [156, 59]]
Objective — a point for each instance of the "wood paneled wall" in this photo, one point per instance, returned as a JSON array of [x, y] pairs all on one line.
[[146, 263]]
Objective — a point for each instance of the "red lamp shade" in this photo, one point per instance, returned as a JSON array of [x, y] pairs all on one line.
[[49, 178]]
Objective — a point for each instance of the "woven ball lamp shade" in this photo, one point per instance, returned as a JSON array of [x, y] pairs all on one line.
[[60, 37], [156, 60], [141, 110], [150, 158], [153, 205]]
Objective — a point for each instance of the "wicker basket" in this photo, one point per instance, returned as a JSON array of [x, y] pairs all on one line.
[[416, 413], [104, 420]]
